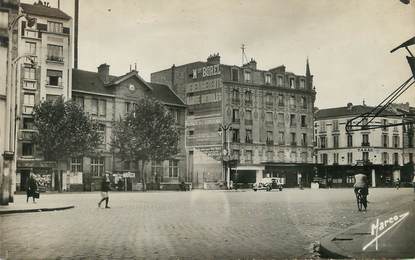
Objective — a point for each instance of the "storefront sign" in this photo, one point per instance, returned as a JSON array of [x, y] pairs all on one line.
[[128, 175], [365, 149], [206, 71], [213, 152]]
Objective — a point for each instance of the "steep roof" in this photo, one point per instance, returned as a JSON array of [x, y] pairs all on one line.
[[349, 111], [41, 10], [165, 94], [90, 82]]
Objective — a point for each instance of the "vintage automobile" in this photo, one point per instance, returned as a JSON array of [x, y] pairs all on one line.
[[268, 184]]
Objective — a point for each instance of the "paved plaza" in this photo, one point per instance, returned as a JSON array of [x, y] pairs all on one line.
[[197, 224]]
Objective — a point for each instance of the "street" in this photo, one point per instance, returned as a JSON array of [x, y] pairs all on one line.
[[197, 224]]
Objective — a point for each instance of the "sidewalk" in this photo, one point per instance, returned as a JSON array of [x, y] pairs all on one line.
[[42, 204], [390, 235]]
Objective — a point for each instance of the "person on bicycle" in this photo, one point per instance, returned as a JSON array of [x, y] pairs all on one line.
[[361, 183]]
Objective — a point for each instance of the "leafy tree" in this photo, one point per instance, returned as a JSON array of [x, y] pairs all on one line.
[[64, 130], [147, 133]]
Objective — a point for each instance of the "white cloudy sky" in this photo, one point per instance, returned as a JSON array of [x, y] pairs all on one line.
[[347, 41]]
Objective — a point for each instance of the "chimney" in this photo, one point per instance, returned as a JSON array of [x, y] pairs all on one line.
[[214, 59], [104, 71], [349, 106], [251, 64], [173, 74]]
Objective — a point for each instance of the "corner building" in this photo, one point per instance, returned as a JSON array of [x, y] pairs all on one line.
[[270, 114]]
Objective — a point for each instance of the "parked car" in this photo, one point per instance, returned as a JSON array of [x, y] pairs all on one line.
[[268, 184]]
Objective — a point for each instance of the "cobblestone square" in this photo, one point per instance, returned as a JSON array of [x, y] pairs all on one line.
[[196, 225]]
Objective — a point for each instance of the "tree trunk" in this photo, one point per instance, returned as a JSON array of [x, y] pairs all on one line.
[[143, 175]]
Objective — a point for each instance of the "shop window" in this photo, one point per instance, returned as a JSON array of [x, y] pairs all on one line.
[[97, 166], [76, 164]]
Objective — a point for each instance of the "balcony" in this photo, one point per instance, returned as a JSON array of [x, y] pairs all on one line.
[[270, 142], [365, 144], [53, 58], [303, 143], [293, 125], [248, 122], [26, 134], [27, 110], [236, 140], [248, 102], [236, 120], [248, 140], [54, 84], [269, 104]]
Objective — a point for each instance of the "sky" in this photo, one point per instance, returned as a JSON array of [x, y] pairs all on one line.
[[347, 42]]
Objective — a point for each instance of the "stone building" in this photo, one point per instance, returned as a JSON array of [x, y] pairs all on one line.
[[341, 154], [41, 65], [270, 113], [107, 98]]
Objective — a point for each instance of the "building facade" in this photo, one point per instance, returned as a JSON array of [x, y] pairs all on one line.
[[265, 118], [41, 70], [107, 98], [341, 154]]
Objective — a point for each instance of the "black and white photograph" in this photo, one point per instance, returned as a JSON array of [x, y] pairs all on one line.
[[207, 129]]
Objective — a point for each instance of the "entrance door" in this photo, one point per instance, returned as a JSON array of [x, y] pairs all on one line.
[[24, 176]]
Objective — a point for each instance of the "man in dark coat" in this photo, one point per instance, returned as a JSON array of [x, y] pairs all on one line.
[[31, 187], [105, 187]]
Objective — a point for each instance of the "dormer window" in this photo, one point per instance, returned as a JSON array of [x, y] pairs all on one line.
[[55, 27], [247, 76], [292, 83], [267, 78], [235, 76], [280, 81], [302, 83]]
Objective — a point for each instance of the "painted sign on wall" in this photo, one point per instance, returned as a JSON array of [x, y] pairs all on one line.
[[206, 71]]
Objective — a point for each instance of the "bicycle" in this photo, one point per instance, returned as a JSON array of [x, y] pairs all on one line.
[[361, 200]]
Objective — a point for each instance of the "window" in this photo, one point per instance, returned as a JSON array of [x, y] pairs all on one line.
[[102, 107], [97, 166], [94, 106], [270, 137], [304, 102], [396, 158], [281, 121], [349, 140], [281, 156], [335, 125], [28, 123], [336, 158], [248, 97], [28, 103], [292, 83], [293, 156], [302, 83], [411, 157], [31, 34], [27, 149], [268, 117], [270, 155], [304, 139], [395, 141], [268, 99], [323, 142], [248, 156], [395, 128], [29, 73], [235, 135], [248, 117], [385, 140], [76, 164], [157, 168], [303, 121], [52, 98], [30, 48], [173, 169], [323, 158], [55, 27], [281, 137], [235, 115], [235, 76], [54, 77], [280, 81], [293, 139], [79, 100], [247, 75], [281, 100], [235, 96], [267, 79], [365, 138], [292, 120], [292, 102], [365, 156], [349, 158], [101, 131], [322, 126], [29, 85], [385, 158], [248, 138], [236, 155], [55, 53], [335, 141], [191, 132], [384, 123]]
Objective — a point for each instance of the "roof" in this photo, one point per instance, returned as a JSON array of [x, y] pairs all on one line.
[[345, 111], [41, 10], [90, 82]]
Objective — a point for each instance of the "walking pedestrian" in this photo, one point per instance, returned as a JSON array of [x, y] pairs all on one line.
[[105, 187], [398, 183], [31, 187]]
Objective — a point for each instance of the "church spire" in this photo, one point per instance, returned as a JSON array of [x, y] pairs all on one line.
[[307, 72]]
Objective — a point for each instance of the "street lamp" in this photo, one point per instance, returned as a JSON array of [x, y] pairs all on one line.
[[226, 128]]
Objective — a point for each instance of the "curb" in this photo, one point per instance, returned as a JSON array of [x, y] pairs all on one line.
[[13, 211]]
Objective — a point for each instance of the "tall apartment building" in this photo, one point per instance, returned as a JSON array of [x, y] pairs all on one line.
[[108, 98], [41, 70], [341, 154], [8, 12], [270, 113]]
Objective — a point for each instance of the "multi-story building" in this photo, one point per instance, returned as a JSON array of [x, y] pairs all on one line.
[[341, 154], [41, 70], [8, 12], [266, 118], [107, 98]]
